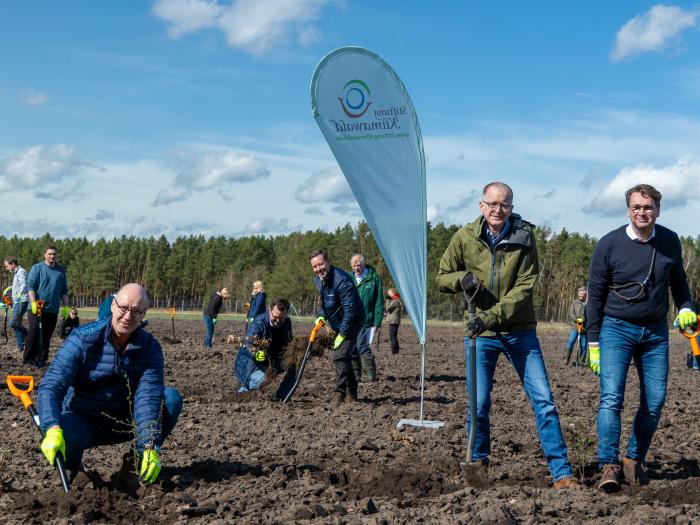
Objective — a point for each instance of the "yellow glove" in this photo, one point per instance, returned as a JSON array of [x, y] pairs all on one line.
[[260, 356], [150, 465], [338, 341], [65, 312], [687, 319], [594, 356], [579, 320], [52, 443], [34, 306], [319, 319]]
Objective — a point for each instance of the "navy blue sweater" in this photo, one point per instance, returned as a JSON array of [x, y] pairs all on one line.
[[340, 303], [617, 259]]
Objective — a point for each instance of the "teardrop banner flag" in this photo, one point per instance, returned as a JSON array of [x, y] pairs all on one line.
[[370, 124]]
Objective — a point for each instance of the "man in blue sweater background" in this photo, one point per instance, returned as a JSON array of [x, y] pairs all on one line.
[[632, 269]]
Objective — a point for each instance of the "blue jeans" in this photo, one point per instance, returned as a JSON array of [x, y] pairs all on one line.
[[252, 375], [18, 311], [583, 343], [523, 351], [362, 345], [209, 326], [82, 432], [620, 344]]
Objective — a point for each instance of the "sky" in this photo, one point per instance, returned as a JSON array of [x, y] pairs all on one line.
[[183, 117]]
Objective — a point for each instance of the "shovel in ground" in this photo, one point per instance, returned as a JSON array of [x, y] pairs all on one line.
[[8, 303], [474, 472], [172, 340], [14, 383], [312, 338]]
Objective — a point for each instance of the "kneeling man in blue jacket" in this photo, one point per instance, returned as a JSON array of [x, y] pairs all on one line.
[[106, 383]]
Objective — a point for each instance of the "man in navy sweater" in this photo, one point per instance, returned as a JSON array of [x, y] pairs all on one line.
[[631, 271]]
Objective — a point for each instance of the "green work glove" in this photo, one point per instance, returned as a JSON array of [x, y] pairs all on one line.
[[319, 319], [213, 321], [579, 320], [65, 312], [34, 307], [687, 319], [52, 443], [150, 465], [260, 356], [594, 356], [338, 341]]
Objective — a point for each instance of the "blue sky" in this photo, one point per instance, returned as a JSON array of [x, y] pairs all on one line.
[[193, 116]]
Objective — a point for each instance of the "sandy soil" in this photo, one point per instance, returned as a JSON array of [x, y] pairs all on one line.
[[250, 459]]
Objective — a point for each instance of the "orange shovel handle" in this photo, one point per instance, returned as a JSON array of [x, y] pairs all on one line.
[[171, 311], [693, 338], [39, 307], [21, 393], [314, 332]]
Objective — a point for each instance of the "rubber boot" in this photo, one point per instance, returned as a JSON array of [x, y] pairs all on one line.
[[356, 366], [369, 368], [568, 356]]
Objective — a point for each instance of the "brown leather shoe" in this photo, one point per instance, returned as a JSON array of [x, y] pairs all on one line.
[[568, 482], [352, 398], [634, 471], [610, 479]]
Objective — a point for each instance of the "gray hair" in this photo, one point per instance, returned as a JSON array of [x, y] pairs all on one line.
[[360, 257], [498, 184]]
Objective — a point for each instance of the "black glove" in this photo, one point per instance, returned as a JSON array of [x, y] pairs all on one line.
[[475, 327], [469, 283]]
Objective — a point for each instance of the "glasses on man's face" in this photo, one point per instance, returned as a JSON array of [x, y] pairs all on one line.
[[502, 205], [133, 311], [642, 210]]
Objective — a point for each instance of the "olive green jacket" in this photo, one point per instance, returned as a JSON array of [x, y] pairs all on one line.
[[508, 273]]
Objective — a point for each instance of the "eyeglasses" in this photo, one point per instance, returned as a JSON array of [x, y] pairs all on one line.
[[636, 210], [503, 205], [123, 310]]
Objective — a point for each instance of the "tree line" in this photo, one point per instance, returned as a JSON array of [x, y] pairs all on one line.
[[185, 272]]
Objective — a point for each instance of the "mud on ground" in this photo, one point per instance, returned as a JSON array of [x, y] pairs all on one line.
[[250, 459]]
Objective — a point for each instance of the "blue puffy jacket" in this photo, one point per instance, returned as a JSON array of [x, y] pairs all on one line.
[[89, 376], [340, 303]]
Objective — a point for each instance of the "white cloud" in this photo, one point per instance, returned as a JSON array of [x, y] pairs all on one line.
[[252, 25], [186, 16], [679, 185], [33, 98], [102, 215], [327, 185], [211, 171], [265, 226], [656, 30], [51, 172]]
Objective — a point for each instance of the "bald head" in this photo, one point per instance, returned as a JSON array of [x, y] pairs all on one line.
[[128, 308]]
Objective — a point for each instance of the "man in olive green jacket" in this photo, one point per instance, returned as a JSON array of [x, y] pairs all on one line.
[[369, 287], [494, 260]]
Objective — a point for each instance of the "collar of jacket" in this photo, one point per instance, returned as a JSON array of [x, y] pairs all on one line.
[[371, 273], [520, 231], [133, 344]]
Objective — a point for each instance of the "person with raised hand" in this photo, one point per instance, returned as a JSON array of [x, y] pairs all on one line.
[[106, 386], [341, 308], [631, 272]]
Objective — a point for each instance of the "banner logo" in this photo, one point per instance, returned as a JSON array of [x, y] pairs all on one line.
[[355, 102]]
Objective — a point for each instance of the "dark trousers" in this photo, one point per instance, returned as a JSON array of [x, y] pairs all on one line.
[[394, 338], [34, 350], [345, 380]]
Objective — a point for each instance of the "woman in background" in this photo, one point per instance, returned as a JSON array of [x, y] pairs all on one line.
[[394, 309]]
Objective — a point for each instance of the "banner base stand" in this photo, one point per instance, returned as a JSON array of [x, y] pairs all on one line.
[[420, 423]]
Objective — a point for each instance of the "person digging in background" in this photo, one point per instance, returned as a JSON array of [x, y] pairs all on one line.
[[394, 310], [274, 328], [105, 386], [20, 299], [257, 301], [342, 309], [369, 287], [631, 271], [211, 312], [69, 323], [46, 282], [577, 315], [495, 259]]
